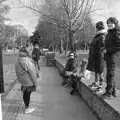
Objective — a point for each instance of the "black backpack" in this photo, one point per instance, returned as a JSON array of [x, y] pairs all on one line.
[[36, 54]]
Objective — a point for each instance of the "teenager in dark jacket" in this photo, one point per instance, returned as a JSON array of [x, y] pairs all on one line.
[[96, 56], [36, 55], [112, 45]]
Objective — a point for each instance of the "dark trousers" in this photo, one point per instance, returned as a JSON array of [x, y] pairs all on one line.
[[26, 97], [110, 76], [99, 77], [37, 64], [74, 83]]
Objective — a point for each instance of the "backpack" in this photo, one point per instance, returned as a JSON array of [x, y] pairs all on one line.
[[36, 54]]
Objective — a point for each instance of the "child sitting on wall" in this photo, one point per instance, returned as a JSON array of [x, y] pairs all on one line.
[[81, 74], [70, 68], [84, 73]]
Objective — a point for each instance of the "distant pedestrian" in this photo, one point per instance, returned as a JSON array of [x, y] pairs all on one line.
[[112, 45], [36, 55], [26, 74], [96, 56]]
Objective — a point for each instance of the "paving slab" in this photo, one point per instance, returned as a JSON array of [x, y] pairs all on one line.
[[52, 101]]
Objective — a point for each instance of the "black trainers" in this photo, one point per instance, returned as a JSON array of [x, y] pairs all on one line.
[[107, 95], [114, 94], [64, 83], [72, 92]]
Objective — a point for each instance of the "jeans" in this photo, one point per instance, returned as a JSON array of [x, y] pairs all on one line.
[[37, 65], [26, 97], [110, 76]]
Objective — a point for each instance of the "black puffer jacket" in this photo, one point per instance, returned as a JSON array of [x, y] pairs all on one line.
[[112, 42]]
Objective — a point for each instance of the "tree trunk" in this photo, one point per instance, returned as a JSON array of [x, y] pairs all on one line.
[[61, 46], [1, 81], [71, 46], [1, 72], [66, 45]]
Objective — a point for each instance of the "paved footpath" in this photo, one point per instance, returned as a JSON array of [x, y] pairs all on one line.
[[52, 101]]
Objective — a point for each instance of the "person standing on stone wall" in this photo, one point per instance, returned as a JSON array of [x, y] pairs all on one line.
[[112, 45], [96, 56]]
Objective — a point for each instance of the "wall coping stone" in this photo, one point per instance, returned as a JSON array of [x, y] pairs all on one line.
[[111, 106]]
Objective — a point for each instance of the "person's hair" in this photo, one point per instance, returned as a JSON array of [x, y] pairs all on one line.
[[112, 20], [100, 25]]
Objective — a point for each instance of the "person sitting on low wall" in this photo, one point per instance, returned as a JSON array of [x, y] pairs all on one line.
[[81, 74], [70, 68]]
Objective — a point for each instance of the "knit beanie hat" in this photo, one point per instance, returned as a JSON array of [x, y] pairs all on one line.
[[112, 20], [100, 25]]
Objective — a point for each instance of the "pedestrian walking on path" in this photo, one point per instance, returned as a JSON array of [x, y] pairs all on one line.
[[36, 55], [26, 74]]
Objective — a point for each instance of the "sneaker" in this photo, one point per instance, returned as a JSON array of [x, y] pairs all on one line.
[[100, 91], [93, 84], [64, 83], [107, 96], [95, 87], [72, 92], [29, 110], [114, 94]]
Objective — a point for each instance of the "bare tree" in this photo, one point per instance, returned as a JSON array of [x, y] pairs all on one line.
[[70, 15]]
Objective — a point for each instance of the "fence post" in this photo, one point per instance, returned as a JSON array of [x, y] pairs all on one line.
[[1, 81]]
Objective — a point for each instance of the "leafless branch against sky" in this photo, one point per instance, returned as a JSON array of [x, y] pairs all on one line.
[[29, 19]]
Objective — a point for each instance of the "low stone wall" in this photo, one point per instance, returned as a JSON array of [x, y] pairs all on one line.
[[104, 109], [50, 58]]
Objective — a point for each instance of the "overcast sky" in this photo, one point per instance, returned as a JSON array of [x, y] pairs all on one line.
[[29, 20], [108, 8], [22, 16]]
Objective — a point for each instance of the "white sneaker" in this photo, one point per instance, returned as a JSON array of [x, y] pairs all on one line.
[[29, 110], [100, 92]]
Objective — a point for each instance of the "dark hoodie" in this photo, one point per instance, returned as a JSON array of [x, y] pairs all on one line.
[[112, 42]]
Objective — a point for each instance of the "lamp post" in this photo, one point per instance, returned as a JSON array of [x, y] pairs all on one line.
[[1, 68]]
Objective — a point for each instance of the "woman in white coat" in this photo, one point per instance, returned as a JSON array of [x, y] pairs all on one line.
[[26, 74]]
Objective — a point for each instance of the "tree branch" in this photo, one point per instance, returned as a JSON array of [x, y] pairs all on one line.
[[50, 17]]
